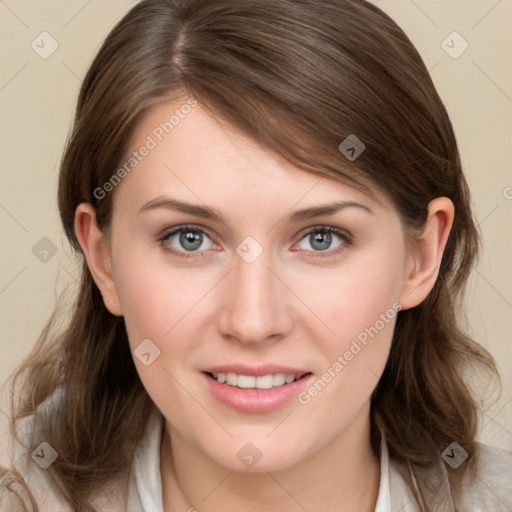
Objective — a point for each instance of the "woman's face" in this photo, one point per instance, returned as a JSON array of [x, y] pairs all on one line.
[[273, 287]]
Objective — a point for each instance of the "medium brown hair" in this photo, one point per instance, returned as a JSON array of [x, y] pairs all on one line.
[[299, 76]]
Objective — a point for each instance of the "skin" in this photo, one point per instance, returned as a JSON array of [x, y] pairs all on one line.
[[294, 305]]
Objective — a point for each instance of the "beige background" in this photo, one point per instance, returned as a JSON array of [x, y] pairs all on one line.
[[37, 99]]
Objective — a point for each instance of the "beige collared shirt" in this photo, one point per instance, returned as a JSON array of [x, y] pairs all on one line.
[[491, 490]]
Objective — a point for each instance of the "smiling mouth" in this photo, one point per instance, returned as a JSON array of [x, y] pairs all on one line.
[[270, 381]]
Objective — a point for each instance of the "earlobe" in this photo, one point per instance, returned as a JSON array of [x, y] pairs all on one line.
[[424, 259], [97, 254]]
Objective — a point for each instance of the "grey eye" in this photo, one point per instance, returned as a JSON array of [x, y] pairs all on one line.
[[320, 240], [188, 240]]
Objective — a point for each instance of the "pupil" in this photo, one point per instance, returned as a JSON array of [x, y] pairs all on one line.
[[190, 240], [323, 239]]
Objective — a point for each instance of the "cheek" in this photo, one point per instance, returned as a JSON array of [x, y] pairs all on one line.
[[143, 304], [157, 307], [353, 297], [358, 306], [154, 296]]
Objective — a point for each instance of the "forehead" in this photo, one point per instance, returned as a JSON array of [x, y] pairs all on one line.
[[180, 149]]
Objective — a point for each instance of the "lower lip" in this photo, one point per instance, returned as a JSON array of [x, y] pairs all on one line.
[[256, 400]]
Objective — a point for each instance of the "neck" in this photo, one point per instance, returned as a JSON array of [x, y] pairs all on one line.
[[343, 476]]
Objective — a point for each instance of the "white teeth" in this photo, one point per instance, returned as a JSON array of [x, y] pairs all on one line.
[[252, 382], [246, 381], [264, 382], [279, 379], [232, 379]]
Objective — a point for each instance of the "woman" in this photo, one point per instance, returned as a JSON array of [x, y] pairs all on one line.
[[275, 231]]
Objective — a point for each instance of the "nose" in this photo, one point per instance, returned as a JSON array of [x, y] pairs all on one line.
[[254, 303]]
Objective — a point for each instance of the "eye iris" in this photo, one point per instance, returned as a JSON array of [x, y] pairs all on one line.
[[191, 237], [324, 238]]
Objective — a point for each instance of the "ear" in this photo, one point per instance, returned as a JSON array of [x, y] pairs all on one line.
[[97, 253], [424, 258]]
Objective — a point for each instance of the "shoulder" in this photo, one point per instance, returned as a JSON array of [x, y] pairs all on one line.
[[488, 486], [24, 479], [26, 473], [14, 496]]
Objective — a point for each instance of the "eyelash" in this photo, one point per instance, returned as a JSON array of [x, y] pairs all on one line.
[[343, 235]]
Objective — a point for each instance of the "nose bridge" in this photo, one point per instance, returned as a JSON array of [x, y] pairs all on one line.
[[254, 307]]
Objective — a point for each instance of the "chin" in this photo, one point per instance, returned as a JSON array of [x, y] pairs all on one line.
[[253, 457]]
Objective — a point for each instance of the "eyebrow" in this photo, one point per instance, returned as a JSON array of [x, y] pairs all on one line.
[[214, 215]]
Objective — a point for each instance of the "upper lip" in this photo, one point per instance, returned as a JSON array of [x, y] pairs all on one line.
[[256, 371]]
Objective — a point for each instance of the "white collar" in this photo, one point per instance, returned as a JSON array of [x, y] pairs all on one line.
[[384, 497], [146, 467]]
